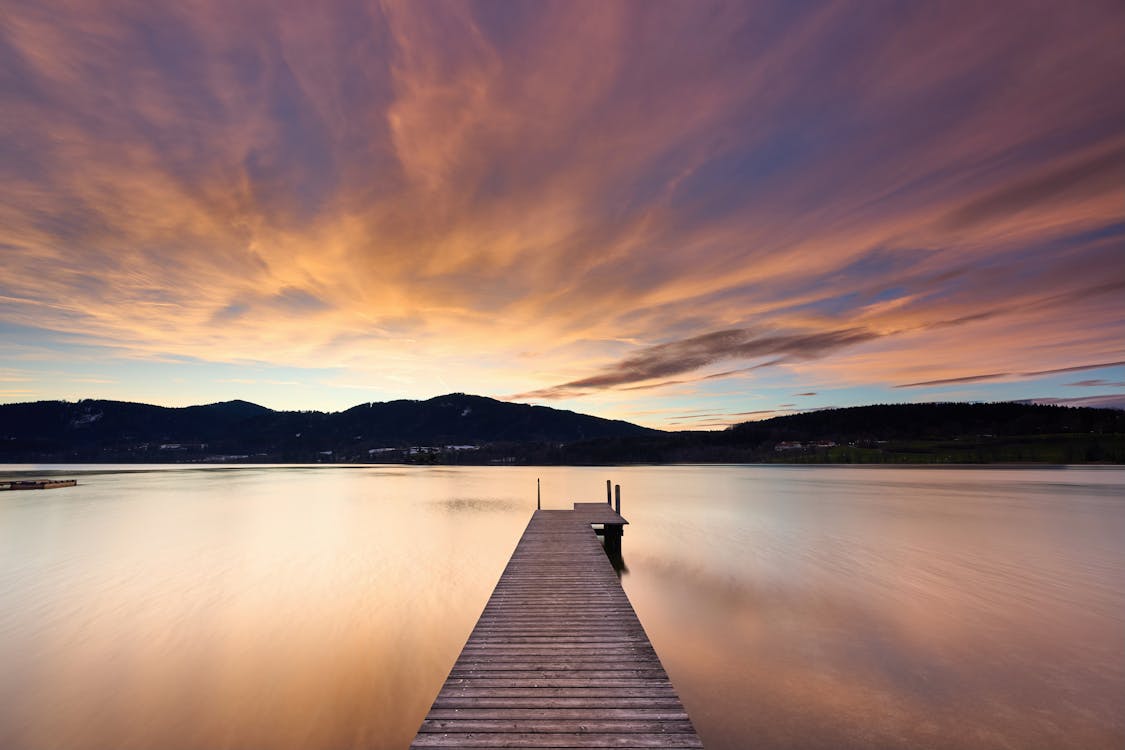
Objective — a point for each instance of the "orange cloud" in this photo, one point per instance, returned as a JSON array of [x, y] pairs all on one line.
[[548, 202]]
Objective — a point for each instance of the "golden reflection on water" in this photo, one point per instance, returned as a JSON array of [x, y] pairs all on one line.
[[255, 609], [889, 608], [793, 607]]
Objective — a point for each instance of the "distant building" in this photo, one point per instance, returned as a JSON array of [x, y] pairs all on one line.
[[183, 446], [788, 445]]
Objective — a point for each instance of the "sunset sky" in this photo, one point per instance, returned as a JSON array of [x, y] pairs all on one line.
[[677, 213]]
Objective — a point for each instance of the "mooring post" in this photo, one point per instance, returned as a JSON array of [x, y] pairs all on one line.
[[613, 540], [538, 496], [617, 493], [608, 493]]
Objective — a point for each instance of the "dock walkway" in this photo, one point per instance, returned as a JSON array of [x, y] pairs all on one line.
[[558, 658], [36, 484]]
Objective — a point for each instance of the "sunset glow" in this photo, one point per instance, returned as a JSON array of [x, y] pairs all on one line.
[[679, 214]]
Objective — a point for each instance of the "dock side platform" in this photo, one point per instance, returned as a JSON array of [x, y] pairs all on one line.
[[558, 658]]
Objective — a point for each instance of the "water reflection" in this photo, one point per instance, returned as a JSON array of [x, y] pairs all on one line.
[[616, 558], [804, 607], [480, 505], [874, 609]]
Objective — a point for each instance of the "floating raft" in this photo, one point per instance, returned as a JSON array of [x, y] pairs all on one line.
[[36, 484], [558, 658]]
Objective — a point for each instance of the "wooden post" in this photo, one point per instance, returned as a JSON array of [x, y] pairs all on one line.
[[617, 493], [538, 496], [608, 493], [612, 534]]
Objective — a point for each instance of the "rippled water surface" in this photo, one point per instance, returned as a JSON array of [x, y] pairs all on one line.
[[321, 607]]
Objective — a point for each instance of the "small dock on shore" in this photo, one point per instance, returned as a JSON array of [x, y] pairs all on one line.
[[36, 484], [558, 658]]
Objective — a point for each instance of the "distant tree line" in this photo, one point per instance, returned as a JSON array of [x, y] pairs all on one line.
[[463, 429]]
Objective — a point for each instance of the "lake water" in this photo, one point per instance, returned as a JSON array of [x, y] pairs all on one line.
[[793, 607]]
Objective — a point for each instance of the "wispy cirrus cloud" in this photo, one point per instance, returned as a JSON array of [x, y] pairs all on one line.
[[691, 354], [1004, 375], [955, 381], [653, 199], [1090, 175]]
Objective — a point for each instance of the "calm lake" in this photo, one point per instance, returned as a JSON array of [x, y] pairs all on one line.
[[793, 607]]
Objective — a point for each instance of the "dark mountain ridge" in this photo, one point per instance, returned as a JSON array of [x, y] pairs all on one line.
[[932, 421], [888, 433], [460, 428], [119, 430]]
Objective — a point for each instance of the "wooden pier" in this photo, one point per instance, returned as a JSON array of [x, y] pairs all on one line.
[[36, 484], [558, 658]]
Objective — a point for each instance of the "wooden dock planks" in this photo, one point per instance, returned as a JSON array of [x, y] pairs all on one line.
[[598, 513], [558, 658], [36, 484]]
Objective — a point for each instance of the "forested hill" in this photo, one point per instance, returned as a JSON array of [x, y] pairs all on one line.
[[899, 433], [93, 430], [934, 422], [459, 428]]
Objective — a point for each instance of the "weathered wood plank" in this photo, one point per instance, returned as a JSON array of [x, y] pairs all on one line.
[[543, 740], [589, 712], [498, 664], [602, 694], [579, 726], [588, 704], [556, 678]]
